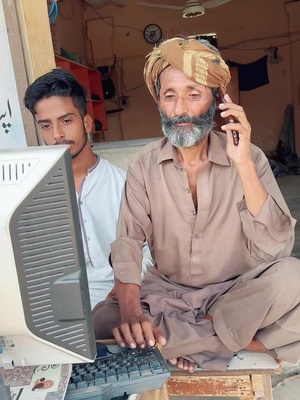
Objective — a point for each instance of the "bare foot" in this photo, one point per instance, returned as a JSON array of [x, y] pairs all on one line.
[[257, 346], [184, 364]]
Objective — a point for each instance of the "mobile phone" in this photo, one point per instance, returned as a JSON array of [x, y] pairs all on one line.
[[230, 118]]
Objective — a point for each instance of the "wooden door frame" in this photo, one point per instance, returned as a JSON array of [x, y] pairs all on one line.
[[31, 49]]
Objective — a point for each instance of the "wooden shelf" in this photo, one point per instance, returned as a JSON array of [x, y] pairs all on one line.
[[91, 81]]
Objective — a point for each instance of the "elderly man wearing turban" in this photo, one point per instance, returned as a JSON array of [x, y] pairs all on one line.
[[219, 229]]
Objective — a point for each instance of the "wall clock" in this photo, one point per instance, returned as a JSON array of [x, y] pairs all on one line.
[[152, 33]]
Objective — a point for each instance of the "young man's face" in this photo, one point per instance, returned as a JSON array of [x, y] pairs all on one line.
[[61, 123]]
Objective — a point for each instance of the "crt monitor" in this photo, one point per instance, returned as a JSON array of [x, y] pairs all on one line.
[[45, 311]]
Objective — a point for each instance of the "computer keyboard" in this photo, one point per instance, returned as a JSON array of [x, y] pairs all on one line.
[[116, 374]]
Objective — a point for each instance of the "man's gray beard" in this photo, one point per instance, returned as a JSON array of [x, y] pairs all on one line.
[[187, 136]]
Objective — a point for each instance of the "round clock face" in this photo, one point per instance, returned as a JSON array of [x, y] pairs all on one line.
[[152, 33]]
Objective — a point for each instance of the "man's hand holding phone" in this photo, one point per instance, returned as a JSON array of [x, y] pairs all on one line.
[[230, 119], [237, 125]]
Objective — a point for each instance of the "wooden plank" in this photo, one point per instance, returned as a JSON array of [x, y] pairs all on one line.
[[36, 37], [158, 394], [12, 24], [262, 386], [258, 386], [267, 387], [239, 386], [235, 372], [244, 387]]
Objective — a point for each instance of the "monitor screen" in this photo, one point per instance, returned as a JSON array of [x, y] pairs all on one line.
[[45, 309]]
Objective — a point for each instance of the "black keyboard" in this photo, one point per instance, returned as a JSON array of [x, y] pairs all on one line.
[[118, 374]]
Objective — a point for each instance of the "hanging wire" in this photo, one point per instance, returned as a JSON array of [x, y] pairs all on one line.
[[53, 11], [105, 21]]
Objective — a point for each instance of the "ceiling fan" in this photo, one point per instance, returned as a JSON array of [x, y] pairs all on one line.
[[192, 8]]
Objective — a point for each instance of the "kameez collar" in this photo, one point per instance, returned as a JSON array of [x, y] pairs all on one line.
[[216, 150]]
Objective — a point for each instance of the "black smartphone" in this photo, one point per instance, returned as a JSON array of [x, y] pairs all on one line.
[[235, 134]]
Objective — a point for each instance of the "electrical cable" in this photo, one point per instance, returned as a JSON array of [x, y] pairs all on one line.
[[53, 12], [104, 19], [279, 36]]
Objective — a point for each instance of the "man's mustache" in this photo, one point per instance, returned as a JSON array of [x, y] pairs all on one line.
[[64, 142], [183, 119]]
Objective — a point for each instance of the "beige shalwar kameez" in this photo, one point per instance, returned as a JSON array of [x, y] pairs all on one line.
[[217, 259]]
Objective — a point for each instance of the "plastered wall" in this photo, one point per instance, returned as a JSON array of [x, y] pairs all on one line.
[[246, 31]]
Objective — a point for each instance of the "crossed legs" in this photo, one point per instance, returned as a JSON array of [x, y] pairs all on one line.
[[259, 312]]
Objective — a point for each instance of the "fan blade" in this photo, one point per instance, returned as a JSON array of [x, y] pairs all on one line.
[[168, 6], [214, 3]]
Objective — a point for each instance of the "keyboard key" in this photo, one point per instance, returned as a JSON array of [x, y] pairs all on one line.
[[111, 372], [82, 385], [111, 379], [99, 374], [123, 377], [99, 381], [71, 386], [157, 370], [144, 366], [88, 377], [76, 379], [134, 375], [121, 371], [146, 372], [155, 364]]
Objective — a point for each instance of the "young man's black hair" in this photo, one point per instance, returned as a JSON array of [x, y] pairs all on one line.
[[57, 82]]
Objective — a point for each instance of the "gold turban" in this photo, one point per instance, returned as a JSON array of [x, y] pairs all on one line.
[[193, 58]]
